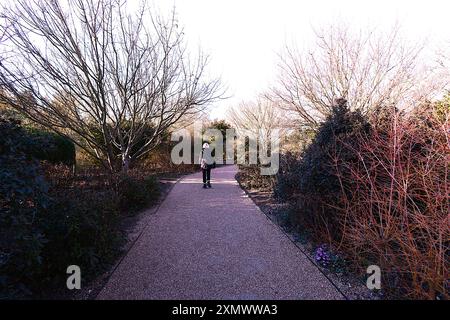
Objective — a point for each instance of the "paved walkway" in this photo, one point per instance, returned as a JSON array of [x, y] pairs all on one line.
[[214, 244]]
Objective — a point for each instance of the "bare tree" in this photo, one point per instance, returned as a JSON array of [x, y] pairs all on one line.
[[115, 79], [366, 69], [443, 62], [261, 115]]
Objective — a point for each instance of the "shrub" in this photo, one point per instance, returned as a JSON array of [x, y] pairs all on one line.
[[310, 181], [44, 145], [23, 196], [250, 177], [125, 128], [81, 229], [378, 193], [135, 193], [159, 160], [394, 208], [51, 221]]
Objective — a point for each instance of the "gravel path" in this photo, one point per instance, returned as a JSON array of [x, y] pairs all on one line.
[[214, 244]]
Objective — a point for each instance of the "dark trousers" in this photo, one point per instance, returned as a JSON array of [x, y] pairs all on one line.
[[206, 174]]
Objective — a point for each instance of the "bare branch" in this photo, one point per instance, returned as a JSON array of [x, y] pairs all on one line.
[[93, 68], [366, 69]]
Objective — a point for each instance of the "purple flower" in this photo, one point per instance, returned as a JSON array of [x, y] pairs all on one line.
[[322, 255]]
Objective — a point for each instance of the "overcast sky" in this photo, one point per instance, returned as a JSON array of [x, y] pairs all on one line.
[[243, 37]]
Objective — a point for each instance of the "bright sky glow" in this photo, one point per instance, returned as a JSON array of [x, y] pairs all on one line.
[[243, 37]]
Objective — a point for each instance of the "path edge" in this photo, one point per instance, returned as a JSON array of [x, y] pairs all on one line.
[[290, 238], [155, 210]]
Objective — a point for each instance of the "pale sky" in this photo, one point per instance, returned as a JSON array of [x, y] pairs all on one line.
[[243, 37]]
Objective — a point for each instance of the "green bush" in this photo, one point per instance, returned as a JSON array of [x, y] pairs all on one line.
[[310, 181], [147, 134], [44, 145], [85, 235], [48, 223], [43, 230], [135, 193], [23, 197], [374, 189]]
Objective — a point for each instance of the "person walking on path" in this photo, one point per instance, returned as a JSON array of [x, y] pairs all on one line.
[[225, 249], [206, 163]]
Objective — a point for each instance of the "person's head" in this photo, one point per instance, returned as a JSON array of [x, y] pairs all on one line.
[[206, 145]]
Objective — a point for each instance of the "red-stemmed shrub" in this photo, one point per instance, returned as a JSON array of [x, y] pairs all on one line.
[[376, 188], [394, 201]]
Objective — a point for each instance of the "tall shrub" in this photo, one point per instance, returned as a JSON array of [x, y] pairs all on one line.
[[378, 191], [23, 196], [394, 208], [310, 182]]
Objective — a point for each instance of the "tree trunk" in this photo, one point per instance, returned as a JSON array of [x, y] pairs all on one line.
[[125, 164]]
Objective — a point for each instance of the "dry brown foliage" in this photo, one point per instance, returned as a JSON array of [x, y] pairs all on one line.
[[394, 201]]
